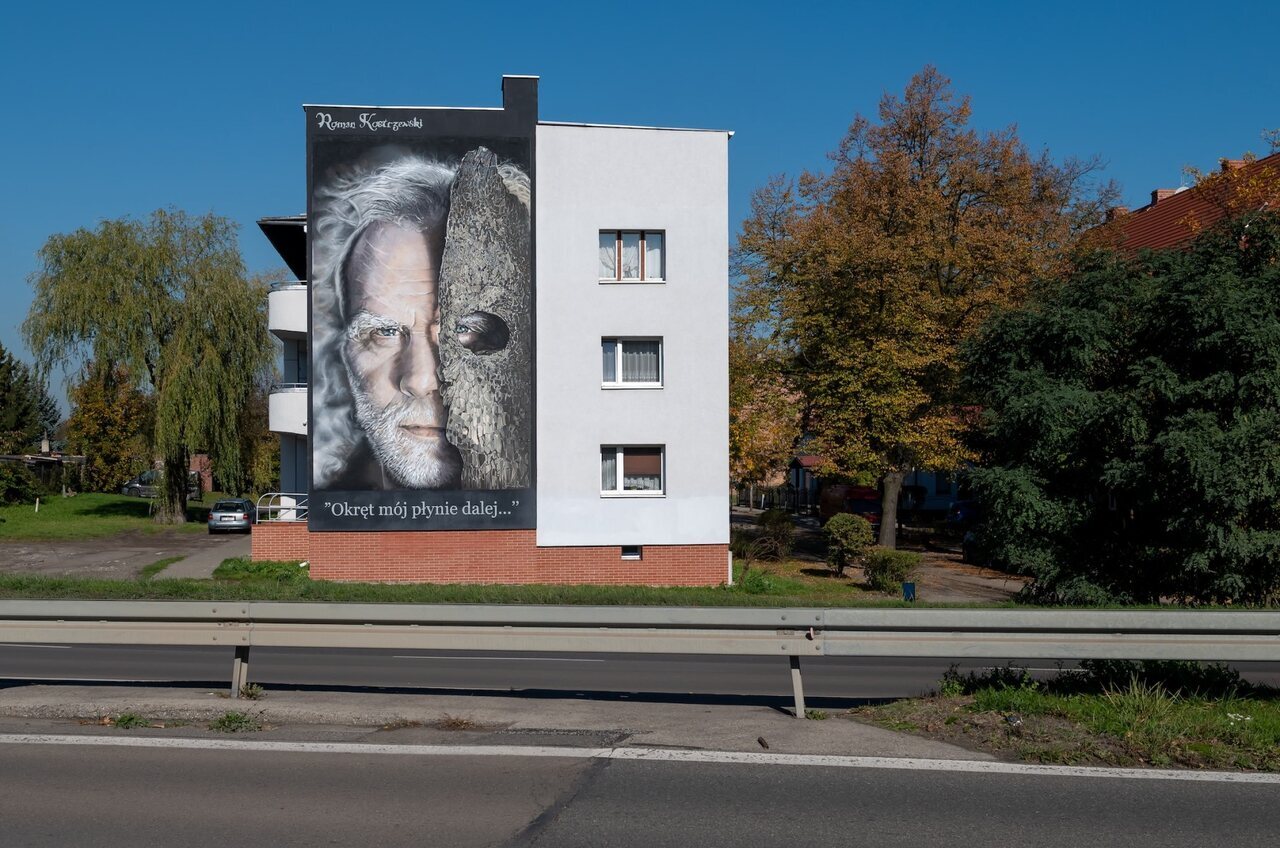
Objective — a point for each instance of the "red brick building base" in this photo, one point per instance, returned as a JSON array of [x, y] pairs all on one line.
[[483, 556]]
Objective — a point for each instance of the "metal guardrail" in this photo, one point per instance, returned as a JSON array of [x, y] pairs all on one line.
[[282, 506], [793, 633]]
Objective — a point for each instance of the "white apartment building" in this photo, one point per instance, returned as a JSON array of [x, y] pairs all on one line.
[[629, 261]]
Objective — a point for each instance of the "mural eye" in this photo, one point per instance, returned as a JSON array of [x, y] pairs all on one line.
[[482, 332], [387, 332]]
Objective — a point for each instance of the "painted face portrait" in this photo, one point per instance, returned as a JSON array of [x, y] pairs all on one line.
[[422, 325], [391, 349]]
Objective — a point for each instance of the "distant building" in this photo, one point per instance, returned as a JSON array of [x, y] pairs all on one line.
[[1176, 215]]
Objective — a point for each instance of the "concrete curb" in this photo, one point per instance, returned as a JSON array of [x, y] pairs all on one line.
[[293, 714]]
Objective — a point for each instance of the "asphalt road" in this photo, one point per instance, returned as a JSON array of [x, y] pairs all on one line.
[[78, 795], [605, 675]]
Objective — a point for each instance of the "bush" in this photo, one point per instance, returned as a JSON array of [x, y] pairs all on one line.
[[17, 485], [886, 568], [848, 538], [753, 581], [777, 533]]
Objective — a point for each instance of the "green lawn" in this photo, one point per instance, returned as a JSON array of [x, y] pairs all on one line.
[[240, 579], [92, 515]]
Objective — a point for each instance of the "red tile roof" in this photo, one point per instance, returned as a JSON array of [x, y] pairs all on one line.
[[1178, 216]]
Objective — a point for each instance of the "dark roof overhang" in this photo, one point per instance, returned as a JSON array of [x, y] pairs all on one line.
[[288, 235]]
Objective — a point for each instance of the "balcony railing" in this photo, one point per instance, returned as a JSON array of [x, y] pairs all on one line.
[[282, 506]]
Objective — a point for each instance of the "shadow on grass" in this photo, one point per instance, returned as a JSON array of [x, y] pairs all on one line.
[[824, 573], [140, 508]]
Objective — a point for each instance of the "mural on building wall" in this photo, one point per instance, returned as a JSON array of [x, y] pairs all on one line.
[[421, 322]]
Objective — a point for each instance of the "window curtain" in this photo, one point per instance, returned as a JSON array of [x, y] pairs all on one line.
[[642, 469], [608, 256], [609, 357], [630, 256], [653, 256], [640, 361], [608, 469]]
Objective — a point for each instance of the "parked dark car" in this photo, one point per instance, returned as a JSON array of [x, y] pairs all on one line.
[[870, 510], [147, 485], [962, 515], [231, 515], [858, 500]]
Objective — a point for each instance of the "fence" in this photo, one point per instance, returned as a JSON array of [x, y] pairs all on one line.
[[790, 633], [282, 506], [786, 497]]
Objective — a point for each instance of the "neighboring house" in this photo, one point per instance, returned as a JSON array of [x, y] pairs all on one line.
[[1176, 215], [802, 477], [922, 491], [585, 388], [931, 491]]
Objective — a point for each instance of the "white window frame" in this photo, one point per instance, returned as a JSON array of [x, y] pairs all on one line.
[[618, 383], [619, 492], [644, 258]]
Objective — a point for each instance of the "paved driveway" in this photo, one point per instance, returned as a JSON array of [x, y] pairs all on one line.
[[118, 557]]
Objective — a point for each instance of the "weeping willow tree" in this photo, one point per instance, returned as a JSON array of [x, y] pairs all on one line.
[[167, 299]]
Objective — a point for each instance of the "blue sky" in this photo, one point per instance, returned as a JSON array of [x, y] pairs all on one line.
[[118, 109]]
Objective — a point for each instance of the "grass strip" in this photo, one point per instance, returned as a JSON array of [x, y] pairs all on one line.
[[156, 567], [1157, 714], [240, 579]]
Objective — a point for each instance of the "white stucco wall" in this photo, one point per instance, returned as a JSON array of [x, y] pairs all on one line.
[[594, 178]]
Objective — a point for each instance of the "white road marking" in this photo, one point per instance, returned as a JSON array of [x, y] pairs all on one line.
[[518, 659], [25, 645], [645, 754], [65, 679]]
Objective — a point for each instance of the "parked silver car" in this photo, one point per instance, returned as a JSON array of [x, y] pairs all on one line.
[[231, 514], [147, 485]]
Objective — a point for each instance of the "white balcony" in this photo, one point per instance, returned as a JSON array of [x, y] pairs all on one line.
[[287, 310], [287, 408]]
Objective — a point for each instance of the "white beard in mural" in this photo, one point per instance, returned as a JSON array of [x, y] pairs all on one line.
[[414, 462]]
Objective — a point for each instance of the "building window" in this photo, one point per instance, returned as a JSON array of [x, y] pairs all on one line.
[[632, 552], [631, 363], [633, 256], [631, 470]]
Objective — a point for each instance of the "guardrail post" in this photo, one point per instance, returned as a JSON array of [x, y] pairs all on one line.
[[240, 670], [797, 685]]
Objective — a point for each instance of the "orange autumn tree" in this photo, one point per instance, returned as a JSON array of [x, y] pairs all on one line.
[[864, 281], [764, 413]]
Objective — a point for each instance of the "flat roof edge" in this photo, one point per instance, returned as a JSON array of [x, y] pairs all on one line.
[[631, 127], [374, 106]]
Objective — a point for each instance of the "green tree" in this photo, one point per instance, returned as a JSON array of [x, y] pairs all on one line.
[[1132, 426], [27, 411], [110, 424], [259, 447], [167, 299], [867, 279]]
